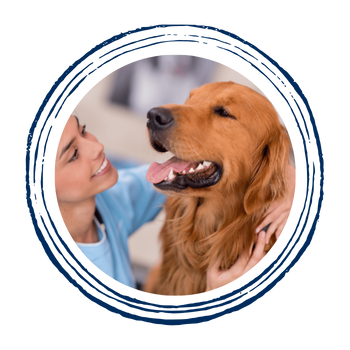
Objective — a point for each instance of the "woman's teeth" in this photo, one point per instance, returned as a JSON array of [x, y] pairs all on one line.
[[101, 168]]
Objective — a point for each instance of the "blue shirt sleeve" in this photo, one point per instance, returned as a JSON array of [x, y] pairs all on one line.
[[134, 199]]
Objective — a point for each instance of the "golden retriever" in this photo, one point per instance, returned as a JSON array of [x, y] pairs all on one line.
[[230, 162]]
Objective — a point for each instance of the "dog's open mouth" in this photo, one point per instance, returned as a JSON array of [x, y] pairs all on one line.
[[176, 174]]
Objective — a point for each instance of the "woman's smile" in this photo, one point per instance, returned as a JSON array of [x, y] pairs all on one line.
[[106, 164]]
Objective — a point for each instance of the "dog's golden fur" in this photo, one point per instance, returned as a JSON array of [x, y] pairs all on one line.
[[204, 225]]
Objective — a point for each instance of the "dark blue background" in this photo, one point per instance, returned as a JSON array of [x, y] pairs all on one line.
[[41, 88]]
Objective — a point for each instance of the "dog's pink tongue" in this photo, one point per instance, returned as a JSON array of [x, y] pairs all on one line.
[[158, 172]]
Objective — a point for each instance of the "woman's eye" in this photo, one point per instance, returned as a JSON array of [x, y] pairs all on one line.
[[76, 151], [75, 156]]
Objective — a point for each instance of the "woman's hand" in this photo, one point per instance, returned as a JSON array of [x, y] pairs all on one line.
[[217, 278], [278, 212]]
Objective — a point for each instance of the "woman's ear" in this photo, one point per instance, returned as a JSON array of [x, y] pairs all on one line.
[[269, 172]]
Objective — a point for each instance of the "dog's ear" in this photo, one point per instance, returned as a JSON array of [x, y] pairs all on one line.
[[269, 172]]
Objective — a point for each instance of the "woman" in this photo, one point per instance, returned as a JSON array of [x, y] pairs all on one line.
[[101, 213]]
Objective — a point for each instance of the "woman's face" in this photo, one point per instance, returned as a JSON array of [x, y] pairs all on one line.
[[82, 170]]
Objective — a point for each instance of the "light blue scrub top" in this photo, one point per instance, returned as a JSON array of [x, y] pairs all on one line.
[[125, 207]]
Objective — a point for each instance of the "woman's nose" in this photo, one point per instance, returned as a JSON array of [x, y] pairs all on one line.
[[97, 149]]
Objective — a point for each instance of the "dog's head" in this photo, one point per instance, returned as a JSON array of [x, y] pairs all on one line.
[[225, 138]]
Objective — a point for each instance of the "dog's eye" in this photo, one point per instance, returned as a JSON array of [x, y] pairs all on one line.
[[223, 113]]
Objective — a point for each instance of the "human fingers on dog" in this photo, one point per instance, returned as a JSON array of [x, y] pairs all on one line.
[[279, 230], [214, 269], [272, 215], [281, 223], [256, 260], [280, 212], [212, 275], [258, 252], [248, 259], [277, 226], [217, 278]]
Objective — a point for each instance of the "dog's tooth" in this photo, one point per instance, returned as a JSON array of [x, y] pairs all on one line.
[[184, 172], [166, 179], [206, 163], [171, 175], [200, 167], [191, 171]]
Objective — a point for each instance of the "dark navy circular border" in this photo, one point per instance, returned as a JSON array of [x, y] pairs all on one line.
[[44, 244]]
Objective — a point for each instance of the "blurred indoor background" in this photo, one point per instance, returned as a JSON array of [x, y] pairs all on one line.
[[115, 111]]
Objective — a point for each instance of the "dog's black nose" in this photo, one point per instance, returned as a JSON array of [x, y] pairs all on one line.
[[159, 118]]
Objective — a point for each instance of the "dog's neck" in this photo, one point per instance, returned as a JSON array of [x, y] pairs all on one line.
[[219, 211], [203, 216], [207, 219]]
